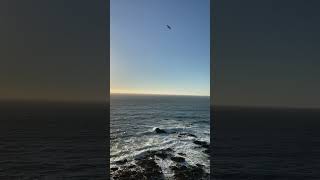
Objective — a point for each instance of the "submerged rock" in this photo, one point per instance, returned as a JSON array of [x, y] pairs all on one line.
[[201, 143], [178, 159], [129, 174], [151, 169], [145, 169], [162, 153], [159, 131], [200, 165], [131, 166], [114, 168], [189, 172], [207, 151], [187, 134], [121, 162]]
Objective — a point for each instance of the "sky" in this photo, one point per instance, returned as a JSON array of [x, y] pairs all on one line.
[[148, 58], [53, 50], [267, 53]]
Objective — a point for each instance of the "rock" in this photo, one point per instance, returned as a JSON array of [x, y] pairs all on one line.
[[201, 143], [131, 166], [114, 168], [200, 165], [178, 159], [174, 168], [182, 154], [163, 153], [159, 131], [146, 169], [187, 134], [206, 146], [129, 174], [189, 173], [207, 151], [151, 169], [121, 162]]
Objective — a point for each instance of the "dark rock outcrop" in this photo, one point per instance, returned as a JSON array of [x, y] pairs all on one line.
[[114, 168], [162, 153], [146, 168], [129, 174], [201, 143], [121, 162], [178, 159], [200, 165], [131, 166], [160, 131], [189, 172], [187, 134], [207, 151], [151, 169]]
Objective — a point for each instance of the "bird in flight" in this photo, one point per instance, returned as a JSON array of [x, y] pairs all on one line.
[[169, 27]]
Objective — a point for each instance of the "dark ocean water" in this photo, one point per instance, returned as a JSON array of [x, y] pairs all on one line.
[[52, 141], [262, 143], [134, 120]]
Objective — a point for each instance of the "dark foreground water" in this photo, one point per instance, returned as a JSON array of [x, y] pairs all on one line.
[[265, 143], [164, 137], [53, 141]]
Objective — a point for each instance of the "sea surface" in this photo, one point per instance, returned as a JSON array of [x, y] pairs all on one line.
[[133, 123]]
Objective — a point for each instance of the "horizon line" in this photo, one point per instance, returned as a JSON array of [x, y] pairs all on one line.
[[158, 94]]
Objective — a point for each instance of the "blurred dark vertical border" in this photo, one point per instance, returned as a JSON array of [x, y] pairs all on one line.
[[265, 89], [54, 89], [108, 86], [212, 75], [107, 128]]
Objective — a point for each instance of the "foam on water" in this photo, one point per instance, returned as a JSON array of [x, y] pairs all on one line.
[[134, 120]]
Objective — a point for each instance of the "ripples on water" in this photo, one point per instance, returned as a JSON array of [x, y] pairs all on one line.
[[134, 119]]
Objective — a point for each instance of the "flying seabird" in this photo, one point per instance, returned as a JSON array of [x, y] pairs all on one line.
[[168, 27]]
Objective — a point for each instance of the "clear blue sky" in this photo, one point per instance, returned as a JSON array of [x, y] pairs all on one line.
[[148, 58]]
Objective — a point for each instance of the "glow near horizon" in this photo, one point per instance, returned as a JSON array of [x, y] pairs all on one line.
[[142, 92], [147, 58]]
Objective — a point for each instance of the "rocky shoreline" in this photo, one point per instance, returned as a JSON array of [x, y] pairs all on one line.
[[145, 167]]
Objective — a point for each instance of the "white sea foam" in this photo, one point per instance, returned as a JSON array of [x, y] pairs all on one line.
[[135, 136]]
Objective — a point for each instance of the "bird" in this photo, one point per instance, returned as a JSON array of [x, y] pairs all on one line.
[[169, 27]]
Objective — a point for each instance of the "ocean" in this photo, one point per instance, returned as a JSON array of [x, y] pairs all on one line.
[[169, 133]]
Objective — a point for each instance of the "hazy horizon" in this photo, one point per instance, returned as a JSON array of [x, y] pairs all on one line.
[[150, 94]]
